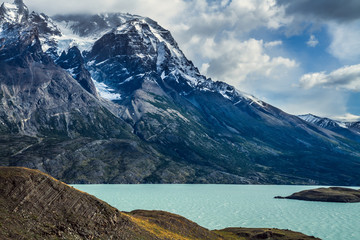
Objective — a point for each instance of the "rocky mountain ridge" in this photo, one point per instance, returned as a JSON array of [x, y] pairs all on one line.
[[110, 98], [349, 130]]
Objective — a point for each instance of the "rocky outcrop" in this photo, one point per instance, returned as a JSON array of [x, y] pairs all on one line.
[[34, 205], [74, 63], [262, 233], [332, 194]]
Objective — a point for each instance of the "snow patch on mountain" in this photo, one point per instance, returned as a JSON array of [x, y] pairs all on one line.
[[173, 49], [13, 13], [160, 56], [68, 39], [322, 122], [106, 92], [252, 98]]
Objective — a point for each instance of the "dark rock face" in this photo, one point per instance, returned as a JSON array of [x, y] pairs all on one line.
[[39, 98], [74, 63], [150, 99], [332, 194], [34, 205]]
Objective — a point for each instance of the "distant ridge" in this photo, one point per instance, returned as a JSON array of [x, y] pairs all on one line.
[[349, 130]]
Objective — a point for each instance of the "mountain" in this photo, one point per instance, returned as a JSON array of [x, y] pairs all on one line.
[[111, 98], [350, 130], [34, 205], [52, 121]]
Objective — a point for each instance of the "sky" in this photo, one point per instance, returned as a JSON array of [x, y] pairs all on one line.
[[302, 56]]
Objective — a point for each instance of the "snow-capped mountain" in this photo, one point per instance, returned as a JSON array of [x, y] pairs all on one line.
[[15, 13], [322, 122], [112, 98], [347, 129], [354, 126], [162, 51]]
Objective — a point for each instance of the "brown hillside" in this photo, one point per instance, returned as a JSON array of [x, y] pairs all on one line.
[[34, 205]]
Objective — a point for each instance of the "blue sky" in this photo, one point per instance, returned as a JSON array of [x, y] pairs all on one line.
[[302, 56]]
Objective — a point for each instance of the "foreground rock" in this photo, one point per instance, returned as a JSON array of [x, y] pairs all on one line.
[[262, 233], [332, 194], [34, 205]]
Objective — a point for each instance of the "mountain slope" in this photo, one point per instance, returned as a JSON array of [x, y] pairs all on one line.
[[66, 128], [39, 97], [132, 90], [197, 120], [348, 130]]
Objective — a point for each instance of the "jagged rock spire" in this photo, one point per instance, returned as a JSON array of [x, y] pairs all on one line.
[[17, 12], [22, 8], [2, 9]]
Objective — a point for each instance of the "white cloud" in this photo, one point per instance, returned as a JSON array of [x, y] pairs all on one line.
[[312, 41], [204, 68], [273, 44], [164, 12], [348, 117], [235, 61], [347, 77], [345, 43]]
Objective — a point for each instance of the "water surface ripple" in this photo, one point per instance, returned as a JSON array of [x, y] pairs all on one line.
[[221, 206]]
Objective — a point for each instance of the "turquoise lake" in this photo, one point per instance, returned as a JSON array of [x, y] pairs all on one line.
[[221, 206]]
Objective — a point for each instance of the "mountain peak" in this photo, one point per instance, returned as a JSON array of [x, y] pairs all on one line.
[[322, 121], [17, 12]]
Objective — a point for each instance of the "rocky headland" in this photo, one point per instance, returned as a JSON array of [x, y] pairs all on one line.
[[33, 205], [331, 194]]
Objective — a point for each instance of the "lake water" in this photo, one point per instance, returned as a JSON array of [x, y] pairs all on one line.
[[221, 206]]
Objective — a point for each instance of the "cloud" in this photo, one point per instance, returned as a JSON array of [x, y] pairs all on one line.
[[312, 41], [235, 61], [348, 117], [340, 19], [162, 11], [345, 43], [273, 44], [341, 11], [347, 77]]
